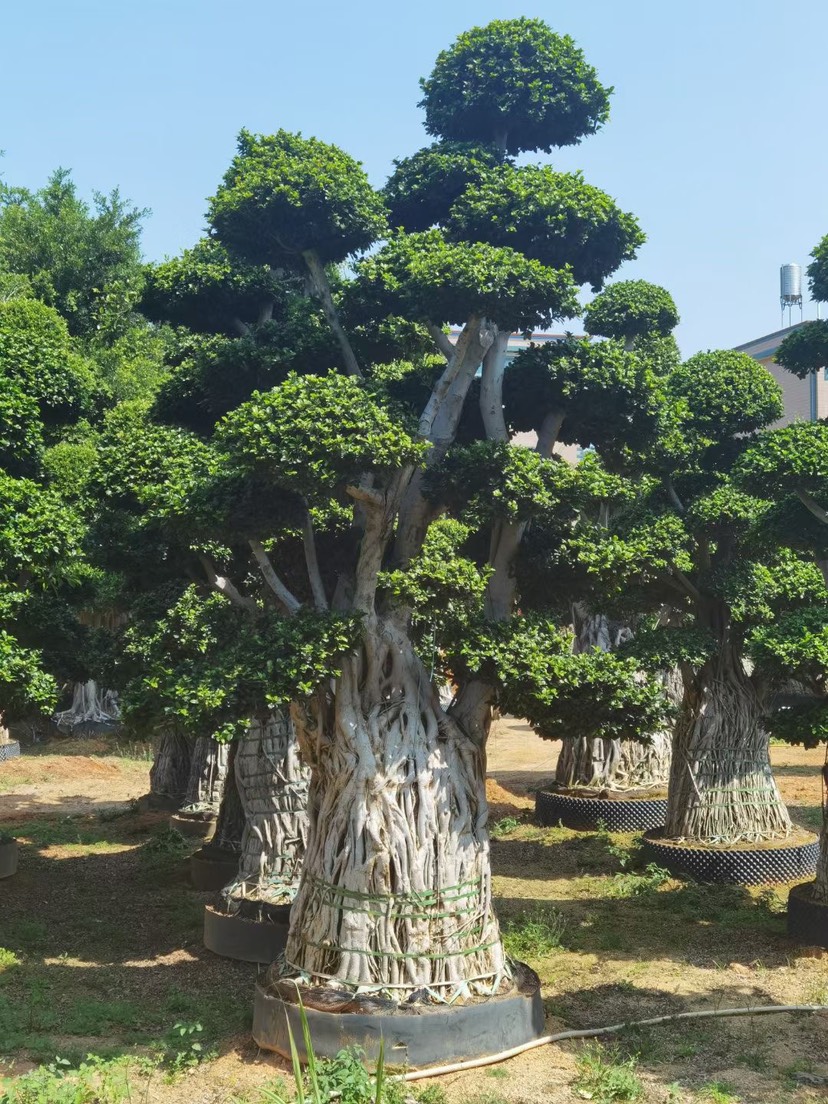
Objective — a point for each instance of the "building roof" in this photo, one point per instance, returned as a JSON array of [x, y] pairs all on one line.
[[763, 347]]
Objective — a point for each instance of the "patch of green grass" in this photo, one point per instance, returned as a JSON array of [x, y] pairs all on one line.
[[717, 1092], [95, 1080], [45, 833], [631, 884], [504, 827], [534, 934], [8, 959], [605, 1076]]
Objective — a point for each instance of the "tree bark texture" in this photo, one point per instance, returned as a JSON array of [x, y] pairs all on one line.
[[208, 770], [230, 823], [722, 790], [395, 892], [273, 791], [596, 763], [170, 768]]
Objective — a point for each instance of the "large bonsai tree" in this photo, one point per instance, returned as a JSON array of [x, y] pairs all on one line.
[[695, 547], [318, 506]]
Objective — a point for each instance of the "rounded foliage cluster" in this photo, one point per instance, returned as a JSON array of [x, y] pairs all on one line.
[[726, 393], [285, 195], [555, 218], [36, 353], [317, 432], [517, 83], [441, 281], [805, 350], [207, 290], [631, 308], [423, 187]]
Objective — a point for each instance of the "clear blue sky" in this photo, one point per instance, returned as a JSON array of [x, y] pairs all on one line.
[[716, 139]]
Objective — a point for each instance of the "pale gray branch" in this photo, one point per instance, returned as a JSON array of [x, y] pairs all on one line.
[[810, 503], [367, 495], [491, 389], [441, 340], [320, 598], [319, 281], [290, 602], [549, 430], [224, 585]]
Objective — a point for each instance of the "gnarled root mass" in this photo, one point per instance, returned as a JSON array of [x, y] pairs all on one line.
[[273, 790], [395, 892], [599, 764], [722, 790], [208, 770]]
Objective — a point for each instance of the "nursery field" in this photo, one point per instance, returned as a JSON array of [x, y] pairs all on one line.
[[102, 953]]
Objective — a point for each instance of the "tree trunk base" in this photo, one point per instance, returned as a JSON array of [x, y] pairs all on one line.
[[211, 868], [614, 812], [415, 1034], [197, 825], [807, 918], [752, 864], [8, 856], [233, 935], [9, 749]]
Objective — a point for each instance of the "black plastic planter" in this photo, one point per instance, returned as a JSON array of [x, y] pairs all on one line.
[[415, 1035], [213, 867], [194, 825], [233, 935], [8, 856], [807, 919], [734, 866], [9, 750], [586, 814]]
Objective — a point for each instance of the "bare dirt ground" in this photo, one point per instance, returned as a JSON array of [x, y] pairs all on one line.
[[104, 952]]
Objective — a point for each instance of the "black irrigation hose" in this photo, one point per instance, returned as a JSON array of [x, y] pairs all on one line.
[[594, 1032]]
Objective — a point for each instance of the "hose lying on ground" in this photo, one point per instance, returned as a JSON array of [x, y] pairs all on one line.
[[594, 1032]]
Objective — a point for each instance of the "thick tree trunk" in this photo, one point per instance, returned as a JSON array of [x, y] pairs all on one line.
[[595, 763], [231, 822], [273, 790], [820, 888], [208, 770], [395, 892], [722, 789], [170, 769]]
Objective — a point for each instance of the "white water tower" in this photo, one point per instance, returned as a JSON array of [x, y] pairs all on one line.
[[790, 290]]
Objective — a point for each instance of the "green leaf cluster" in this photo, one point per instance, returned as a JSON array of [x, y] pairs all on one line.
[[285, 195], [316, 433], [548, 216], [516, 83]]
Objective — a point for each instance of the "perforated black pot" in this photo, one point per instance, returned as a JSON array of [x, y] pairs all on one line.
[[734, 866], [586, 814], [9, 750]]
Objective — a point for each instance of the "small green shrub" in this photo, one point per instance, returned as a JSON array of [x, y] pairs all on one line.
[[8, 958], [168, 843], [631, 884], [182, 1048], [605, 1077], [717, 1092], [534, 934], [504, 827], [94, 1081]]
